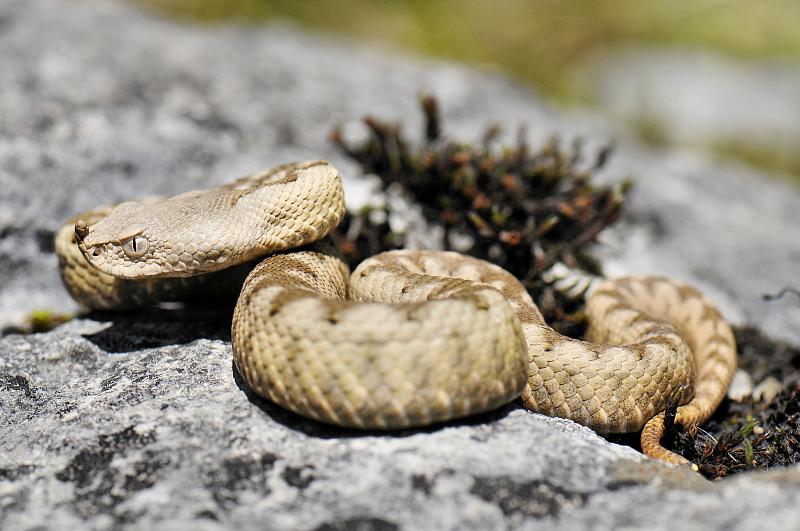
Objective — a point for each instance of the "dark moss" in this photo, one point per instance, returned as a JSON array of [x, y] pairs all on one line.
[[761, 356], [524, 209], [752, 434]]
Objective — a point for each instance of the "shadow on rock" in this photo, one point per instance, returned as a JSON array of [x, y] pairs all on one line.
[[321, 430], [159, 327]]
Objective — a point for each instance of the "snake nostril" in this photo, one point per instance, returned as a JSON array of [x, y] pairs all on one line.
[[96, 251]]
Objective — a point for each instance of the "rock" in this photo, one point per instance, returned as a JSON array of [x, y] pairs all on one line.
[[122, 424], [703, 99], [141, 421], [118, 434], [741, 386], [767, 389]]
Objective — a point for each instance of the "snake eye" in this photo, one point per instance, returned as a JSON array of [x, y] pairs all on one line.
[[135, 247]]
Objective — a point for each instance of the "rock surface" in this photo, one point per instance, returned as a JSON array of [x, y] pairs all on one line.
[[703, 99], [141, 421]]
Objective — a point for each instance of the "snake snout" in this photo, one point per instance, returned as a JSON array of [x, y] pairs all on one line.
[[81, 230]]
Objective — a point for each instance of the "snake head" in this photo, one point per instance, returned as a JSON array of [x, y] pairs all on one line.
[[204, 231], [155, 238], [118, 244]]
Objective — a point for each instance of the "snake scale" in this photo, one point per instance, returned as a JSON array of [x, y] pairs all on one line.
[[411, 337]]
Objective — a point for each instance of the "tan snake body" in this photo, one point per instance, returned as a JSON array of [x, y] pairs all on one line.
[[411, 337]]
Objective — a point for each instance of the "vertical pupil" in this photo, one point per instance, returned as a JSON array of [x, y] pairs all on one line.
[[134, 244]]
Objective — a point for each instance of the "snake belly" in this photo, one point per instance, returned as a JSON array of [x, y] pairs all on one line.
[[411, 337]]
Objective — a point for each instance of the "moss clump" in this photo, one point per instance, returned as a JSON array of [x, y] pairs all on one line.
[[752, 434], [762, 357], [521, 208], [45, 320], [526, 209]]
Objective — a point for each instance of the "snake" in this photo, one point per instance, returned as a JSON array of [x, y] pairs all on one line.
[[410, 338]]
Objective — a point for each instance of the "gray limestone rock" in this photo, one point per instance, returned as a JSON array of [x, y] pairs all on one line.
[[141, 421]]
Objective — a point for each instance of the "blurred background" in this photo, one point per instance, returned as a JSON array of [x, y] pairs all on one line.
[[103, 103], [717, 75]]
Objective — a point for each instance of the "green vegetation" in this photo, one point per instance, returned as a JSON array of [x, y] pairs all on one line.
[[539, 42], [44, 320], [543, 43]]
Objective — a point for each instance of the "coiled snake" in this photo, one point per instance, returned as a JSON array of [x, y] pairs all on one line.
[[411, 337]]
